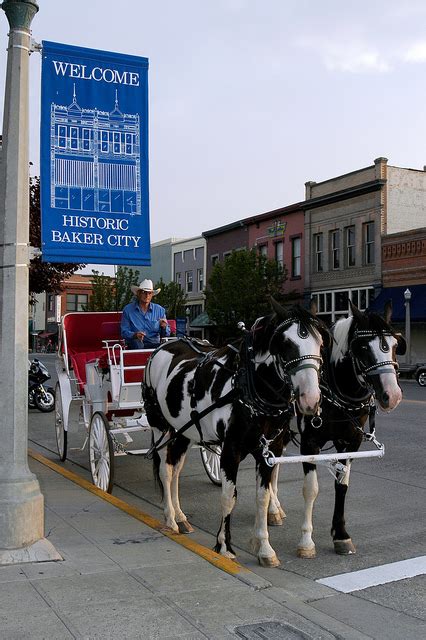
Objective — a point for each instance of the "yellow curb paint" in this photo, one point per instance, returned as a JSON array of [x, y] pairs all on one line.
[[225, 564]]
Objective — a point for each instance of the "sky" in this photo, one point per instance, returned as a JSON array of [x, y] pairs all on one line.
[[249, 99]]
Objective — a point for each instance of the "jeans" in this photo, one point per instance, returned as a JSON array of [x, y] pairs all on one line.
[[133, 343]]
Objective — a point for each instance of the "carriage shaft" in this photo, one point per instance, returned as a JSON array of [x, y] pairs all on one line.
[[347, 455]]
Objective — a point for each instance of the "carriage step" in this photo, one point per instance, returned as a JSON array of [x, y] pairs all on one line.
[[133, 452]]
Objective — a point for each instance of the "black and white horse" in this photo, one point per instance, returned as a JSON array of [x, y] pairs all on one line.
[[241, 395], [359, 370]]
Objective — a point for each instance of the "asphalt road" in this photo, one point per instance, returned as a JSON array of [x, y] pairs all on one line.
[[385, 513]]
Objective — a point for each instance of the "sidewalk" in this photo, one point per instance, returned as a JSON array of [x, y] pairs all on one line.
[[121, 579]]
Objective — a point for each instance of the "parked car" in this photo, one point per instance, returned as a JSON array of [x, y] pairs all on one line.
[[416, 371]]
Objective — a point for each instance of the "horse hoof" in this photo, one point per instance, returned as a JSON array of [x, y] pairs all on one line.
[[184, 527], [306, 552], [344, 547], [282, 513], [268, 562], [275, 520], [228, 554], [168, 529]]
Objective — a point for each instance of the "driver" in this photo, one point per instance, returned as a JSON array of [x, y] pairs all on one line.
[[144, 322]]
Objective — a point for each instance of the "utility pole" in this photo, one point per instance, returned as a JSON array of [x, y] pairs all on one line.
[[21, 501]]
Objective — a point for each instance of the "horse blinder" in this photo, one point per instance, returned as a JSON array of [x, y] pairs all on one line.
[[401, 346]]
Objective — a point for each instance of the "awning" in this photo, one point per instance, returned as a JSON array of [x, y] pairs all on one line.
[[396, 294], [46, 334], [201, 321]]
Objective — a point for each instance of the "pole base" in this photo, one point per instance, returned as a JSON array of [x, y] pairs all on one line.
[[40, 551]]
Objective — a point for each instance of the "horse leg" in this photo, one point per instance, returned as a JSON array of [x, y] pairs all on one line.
[[343, 544], [266, 555], [180, 517], [276, 513], [306, 546], [176, 454], [229, 462], [165, 473]]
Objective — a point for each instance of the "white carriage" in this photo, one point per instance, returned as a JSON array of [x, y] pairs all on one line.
[[96, 372]]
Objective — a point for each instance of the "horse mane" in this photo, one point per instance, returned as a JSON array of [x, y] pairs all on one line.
[[340, 331], [305, 317], [344, 328]]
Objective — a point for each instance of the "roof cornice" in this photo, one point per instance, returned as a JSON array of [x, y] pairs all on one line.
[[344, 194]]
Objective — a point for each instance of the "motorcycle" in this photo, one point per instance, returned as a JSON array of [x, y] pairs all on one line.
[[39, 396]]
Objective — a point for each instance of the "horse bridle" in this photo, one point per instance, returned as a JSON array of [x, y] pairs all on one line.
[[293, 366], [378, 367]]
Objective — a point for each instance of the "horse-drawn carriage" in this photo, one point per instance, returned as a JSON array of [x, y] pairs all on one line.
[[240, 397], [96, 373]]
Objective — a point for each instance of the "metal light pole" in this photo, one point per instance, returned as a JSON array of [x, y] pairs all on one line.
[[407, 297], [21, 502], [187, 314]]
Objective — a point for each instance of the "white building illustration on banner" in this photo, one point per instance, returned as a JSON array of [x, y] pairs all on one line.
[[95, 159]]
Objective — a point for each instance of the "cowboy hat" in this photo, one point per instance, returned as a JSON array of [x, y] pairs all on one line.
[[145, 285]]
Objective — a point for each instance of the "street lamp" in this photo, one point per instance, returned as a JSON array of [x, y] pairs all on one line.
[[407, 297], [21, 501], [187, 314]]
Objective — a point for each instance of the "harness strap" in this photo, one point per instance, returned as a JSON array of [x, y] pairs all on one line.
[[196, 416]]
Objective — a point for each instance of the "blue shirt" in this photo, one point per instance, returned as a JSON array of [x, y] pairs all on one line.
[[134, 320]]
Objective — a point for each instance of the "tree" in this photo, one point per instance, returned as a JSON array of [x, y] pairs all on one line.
[[103, 293], [172, 298], [124, 279], [112, 294], [44, 276], [239, 289]]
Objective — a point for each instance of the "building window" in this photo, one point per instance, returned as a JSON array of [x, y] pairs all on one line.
[[104, 142], [200, 279], [332, 305], [262, 250], [74, 137], [335, 249], [368, 243], [318, 251], [214, 259], [350, 246], [62, 137], [50, 302], [188, 281], [279, 253], [86, 139], [226, 254], [295, 257], [77, 301]]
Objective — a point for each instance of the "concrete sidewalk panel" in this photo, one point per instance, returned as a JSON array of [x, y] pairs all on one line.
[[182, 577], [147, 620], [95, 589], [381, 623], [43, 624]]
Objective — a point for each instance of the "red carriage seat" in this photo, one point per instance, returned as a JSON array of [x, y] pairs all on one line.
[[83, 335]]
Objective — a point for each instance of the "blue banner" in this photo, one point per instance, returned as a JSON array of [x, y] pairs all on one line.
[[94, 157]]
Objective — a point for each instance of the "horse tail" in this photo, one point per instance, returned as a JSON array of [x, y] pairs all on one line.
[[156, 468]]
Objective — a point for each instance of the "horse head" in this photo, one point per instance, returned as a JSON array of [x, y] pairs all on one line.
[[373, 347], [295, 339]]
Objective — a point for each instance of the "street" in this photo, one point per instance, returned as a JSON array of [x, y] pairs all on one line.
[[385, 510]]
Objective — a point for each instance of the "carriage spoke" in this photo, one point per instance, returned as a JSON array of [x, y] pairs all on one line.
[[100, 452]]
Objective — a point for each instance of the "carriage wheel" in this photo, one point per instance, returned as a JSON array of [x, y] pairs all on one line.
[[211, 462], [101, 452], [61, 434]]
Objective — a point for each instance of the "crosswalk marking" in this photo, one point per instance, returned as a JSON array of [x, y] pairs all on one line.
[[357, 580]]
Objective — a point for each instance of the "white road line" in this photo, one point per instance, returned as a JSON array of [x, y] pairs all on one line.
[[347, 582]]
